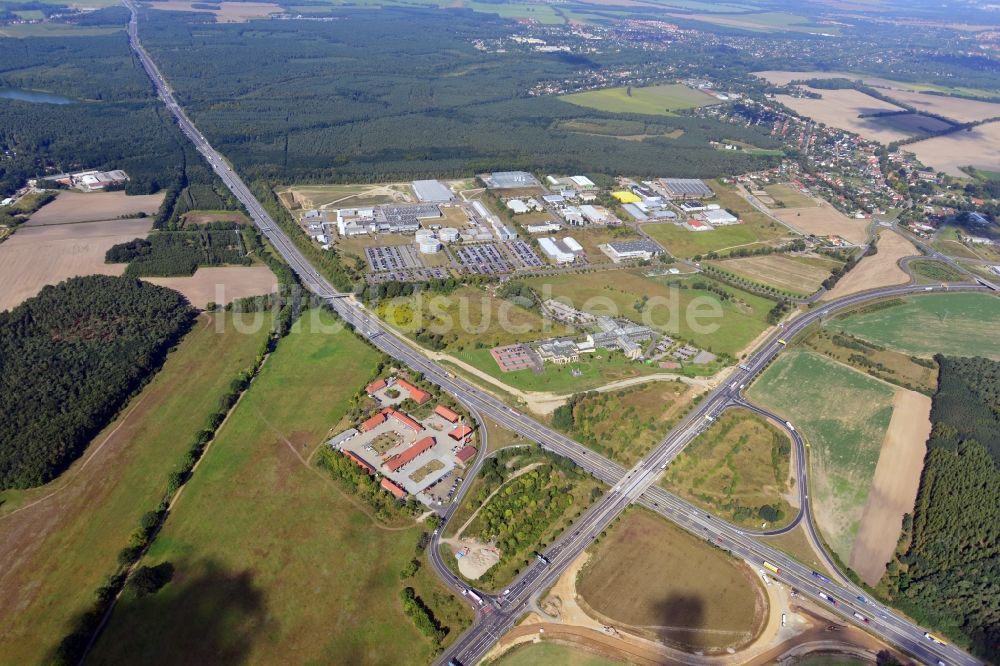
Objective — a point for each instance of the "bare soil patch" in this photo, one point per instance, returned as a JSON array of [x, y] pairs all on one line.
[[894, 488], [879, 270], [71, 207], [205, 217], [975, 147], [36, 256], [228, 12], [824, 220], [221, 284], [841, 108]]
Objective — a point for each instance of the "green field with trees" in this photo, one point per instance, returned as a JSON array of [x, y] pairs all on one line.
[[69, 359], [738, 469], [265, 546], [947, 569], [530, 510], [181, 252], [660, 100]]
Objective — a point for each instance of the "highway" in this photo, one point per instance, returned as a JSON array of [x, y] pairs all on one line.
[[627, 486]]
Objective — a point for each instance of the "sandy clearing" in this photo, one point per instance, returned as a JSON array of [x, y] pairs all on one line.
[[36, 256], [95, 206], [228, 12], [841, 108], [824, 220], [878, 270], [478, 557], [955, 108], [976, 147], [894, 488], [221, 284]]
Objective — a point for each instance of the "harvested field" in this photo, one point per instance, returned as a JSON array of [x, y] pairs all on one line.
[[975, 147], [782, 271], [894, 488], [957, 109], [790, 196], [58, 541], [206, 216], [71, 207], [221, 284], [638, 579], [878, 270], [841, 108], [824, 220], [36, 256], [228, 12]]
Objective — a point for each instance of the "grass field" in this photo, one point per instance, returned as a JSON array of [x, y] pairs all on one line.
[[673, 305], [844, 415], [623, 425], [58, 541], [49, 29], [640, 578], [272, 560], [548, 654], [789, 196], [929, 271], [653, 100], [468, 318], [955, 324], [738, 465]]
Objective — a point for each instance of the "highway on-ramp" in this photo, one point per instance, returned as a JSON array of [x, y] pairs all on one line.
[[627, 486]]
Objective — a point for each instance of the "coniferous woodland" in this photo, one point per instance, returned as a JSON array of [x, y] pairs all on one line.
[[69, 359], [947, 574]]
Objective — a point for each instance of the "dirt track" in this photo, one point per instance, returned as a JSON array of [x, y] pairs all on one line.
[[894, 488]]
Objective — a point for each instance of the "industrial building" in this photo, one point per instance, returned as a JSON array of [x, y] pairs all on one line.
[[633, 250], [626, 197], [563, 251], [686, 188], [389, 218], [583, 183], [90, 181], [719, 217], [431, 191], [545, 228]]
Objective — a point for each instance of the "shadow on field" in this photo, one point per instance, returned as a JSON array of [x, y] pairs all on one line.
[[681, 611], [205, 615]]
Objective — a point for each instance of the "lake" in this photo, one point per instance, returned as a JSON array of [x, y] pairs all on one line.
[[33, 96]]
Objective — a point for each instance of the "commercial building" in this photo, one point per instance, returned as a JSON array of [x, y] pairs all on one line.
[[620, 334], [431, 191], [558, 351], [686, 188], [90, 181], [583, 183], [448, 235], [419, 396], [447, 414], [373, 422], [465, 454], [359, 462], [398, 492], [460, 433], [626, 197], [397, 462], [697, 225], [517, 206], [719, 217], [634, 250], [547, 227], [405, 419]]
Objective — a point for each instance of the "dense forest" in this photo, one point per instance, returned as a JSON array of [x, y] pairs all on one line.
[[395, 93], [69, 358], [948, 575], [170, 253]]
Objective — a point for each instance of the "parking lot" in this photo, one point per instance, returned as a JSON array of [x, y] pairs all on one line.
[[485, 259], [392, 258], [524, 255], [409, 275]]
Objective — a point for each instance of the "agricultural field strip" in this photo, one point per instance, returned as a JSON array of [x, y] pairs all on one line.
[[371, 330]]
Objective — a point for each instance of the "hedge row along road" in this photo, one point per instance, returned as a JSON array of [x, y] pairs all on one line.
[[634, 485]]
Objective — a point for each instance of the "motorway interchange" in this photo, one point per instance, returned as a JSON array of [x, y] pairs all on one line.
[[636, 485]]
